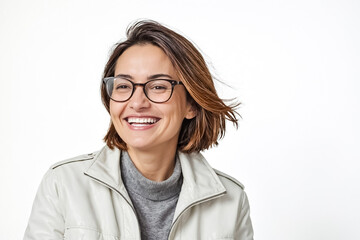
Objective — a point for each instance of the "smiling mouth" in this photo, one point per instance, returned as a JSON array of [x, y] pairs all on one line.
[[142, 121]]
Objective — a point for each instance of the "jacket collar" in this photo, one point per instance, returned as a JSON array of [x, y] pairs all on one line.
[[200, 181], [105, 169]]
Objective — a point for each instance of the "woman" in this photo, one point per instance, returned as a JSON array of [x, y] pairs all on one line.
[[149, 181]]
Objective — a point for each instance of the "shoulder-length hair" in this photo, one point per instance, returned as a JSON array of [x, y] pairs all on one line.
[[200, 132]]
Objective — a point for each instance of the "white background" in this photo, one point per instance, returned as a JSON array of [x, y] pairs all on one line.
[[293, 64]]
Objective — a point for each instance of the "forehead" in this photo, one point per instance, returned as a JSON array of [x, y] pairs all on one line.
[[144, 60]]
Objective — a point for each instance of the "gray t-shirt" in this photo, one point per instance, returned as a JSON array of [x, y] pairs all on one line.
[[154, 202]]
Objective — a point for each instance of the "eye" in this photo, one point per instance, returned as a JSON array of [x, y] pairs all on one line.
[[159, 86], [122, 86]]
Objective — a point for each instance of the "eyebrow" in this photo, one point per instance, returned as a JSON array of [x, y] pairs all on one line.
[[159, 76], [155, 76], [126, 76]]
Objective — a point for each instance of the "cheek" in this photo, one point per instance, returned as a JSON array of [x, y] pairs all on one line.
[[115, 110], [178, 111]]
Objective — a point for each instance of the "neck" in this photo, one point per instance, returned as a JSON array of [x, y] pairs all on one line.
[[155, 164]]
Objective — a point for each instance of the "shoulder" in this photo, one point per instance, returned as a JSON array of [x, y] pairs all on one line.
[[83, 159], [228, 180], [67, 171]]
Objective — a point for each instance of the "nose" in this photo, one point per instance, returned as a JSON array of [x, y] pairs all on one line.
[[139, 101]]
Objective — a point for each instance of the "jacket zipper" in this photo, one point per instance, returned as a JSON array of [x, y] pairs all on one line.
[[190, 206], [98, 180]]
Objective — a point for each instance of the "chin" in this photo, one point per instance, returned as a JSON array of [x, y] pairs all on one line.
[[139, 145]]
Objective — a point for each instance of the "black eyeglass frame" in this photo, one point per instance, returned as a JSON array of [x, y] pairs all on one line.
[[173, 84]]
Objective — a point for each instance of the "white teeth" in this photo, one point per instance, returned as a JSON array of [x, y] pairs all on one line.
[[141, 120]]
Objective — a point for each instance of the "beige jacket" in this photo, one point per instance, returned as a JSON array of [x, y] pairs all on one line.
[[85, 198]]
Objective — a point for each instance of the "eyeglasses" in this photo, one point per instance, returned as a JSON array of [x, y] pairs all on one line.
[[157, 91]]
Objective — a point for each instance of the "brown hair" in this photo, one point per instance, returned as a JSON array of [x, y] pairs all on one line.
[[200, 132]]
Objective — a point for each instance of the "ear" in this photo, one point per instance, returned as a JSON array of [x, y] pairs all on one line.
[[190, 111]]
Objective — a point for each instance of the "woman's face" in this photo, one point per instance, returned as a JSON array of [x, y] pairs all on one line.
[[142, 124]]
